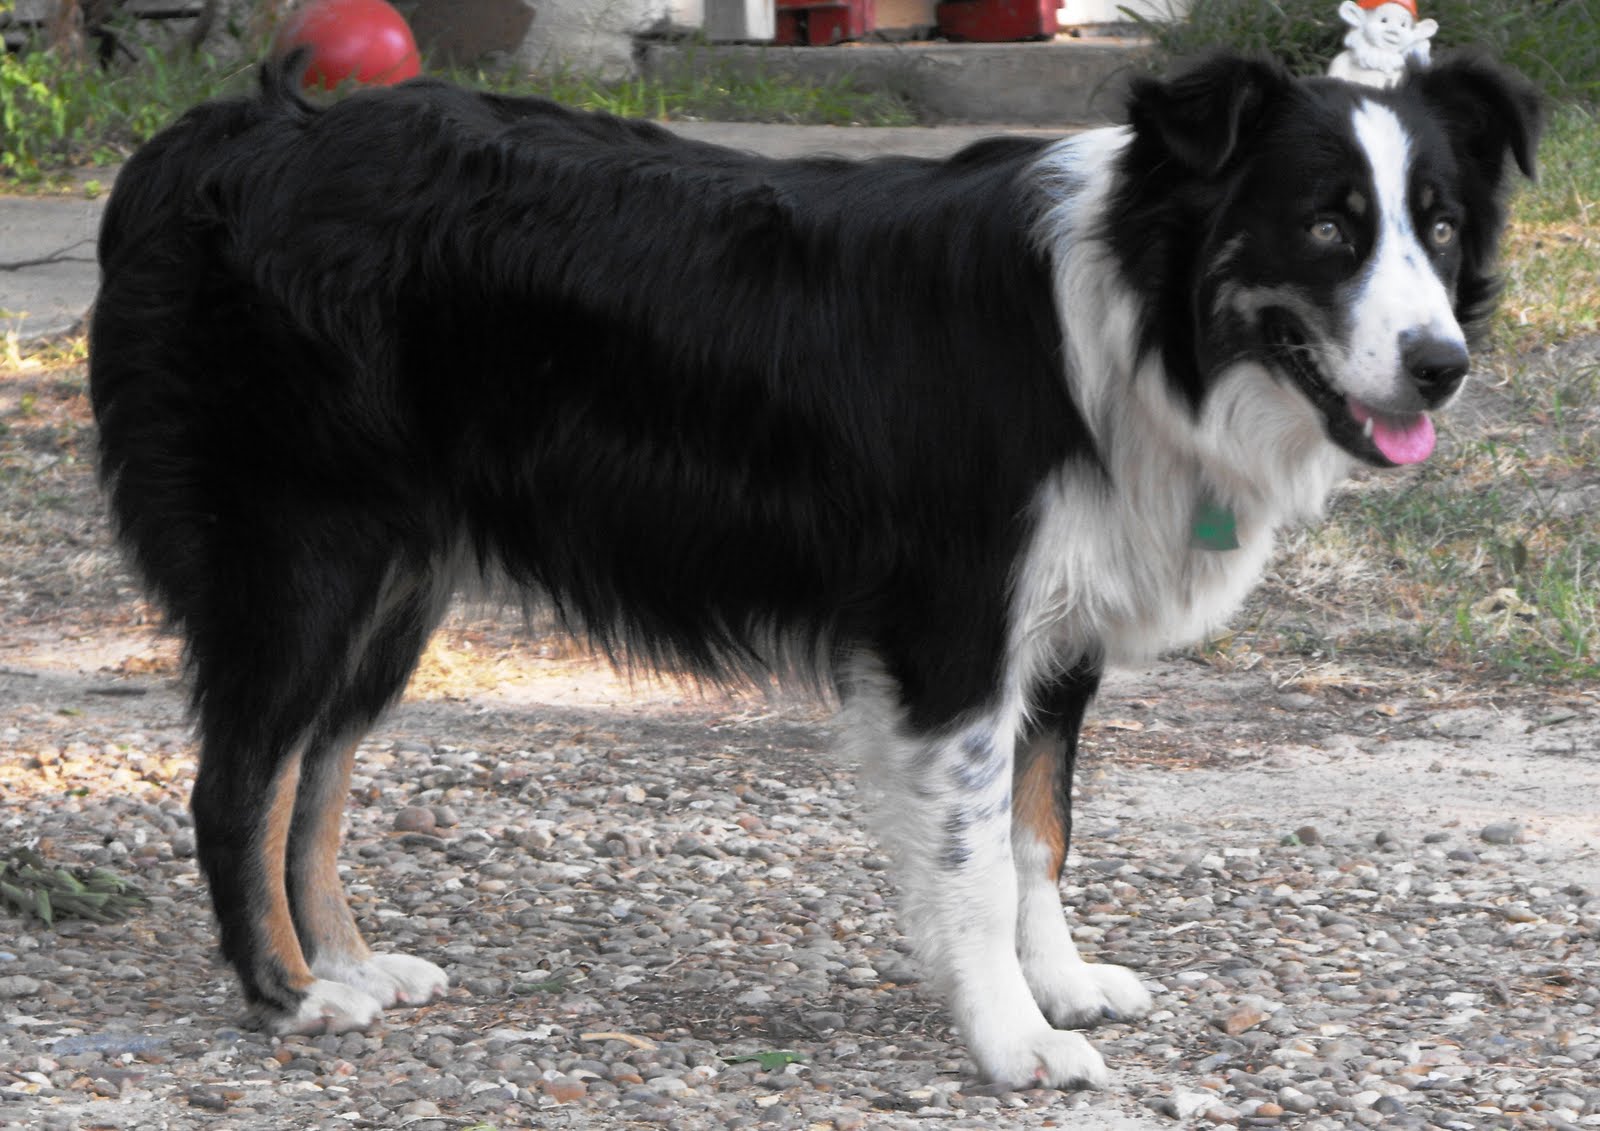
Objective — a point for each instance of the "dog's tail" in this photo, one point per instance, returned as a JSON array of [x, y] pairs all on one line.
[[166, 179], [168, 236], [281, 83]]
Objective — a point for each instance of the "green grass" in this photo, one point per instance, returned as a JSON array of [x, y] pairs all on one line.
[[57, 115], [1552, 253], [1569, 170], [1555, 44], [708, 92]]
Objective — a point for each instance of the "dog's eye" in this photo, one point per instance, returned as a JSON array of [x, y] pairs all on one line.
[[1327, 232], [1443, 233]]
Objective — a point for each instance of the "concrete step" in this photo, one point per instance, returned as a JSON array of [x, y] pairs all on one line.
[[1058, 82]]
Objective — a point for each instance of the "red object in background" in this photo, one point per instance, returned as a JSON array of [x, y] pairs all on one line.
[[364, 40], [820, 23], [998, 21]]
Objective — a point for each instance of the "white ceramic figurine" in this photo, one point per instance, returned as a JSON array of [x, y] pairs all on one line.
[[1384, 36]]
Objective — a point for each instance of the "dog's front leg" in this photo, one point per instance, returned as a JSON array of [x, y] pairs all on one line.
[[1073, 993], [946, 811]]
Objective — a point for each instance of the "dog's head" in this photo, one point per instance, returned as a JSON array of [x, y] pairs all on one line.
[[1338, 239]]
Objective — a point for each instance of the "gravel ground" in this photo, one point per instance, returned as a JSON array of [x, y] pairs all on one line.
[[1354, 911]]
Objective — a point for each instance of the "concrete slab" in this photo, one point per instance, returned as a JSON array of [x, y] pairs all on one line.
[[47, 266], [1064, 81], [844, 141]]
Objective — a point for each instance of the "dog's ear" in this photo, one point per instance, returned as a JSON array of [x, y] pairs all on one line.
[[1205, 116], [1486, 110]]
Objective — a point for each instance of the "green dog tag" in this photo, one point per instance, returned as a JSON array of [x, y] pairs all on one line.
[[1214, 526]]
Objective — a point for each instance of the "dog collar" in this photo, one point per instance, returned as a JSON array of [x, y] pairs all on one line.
[[1214, 525]]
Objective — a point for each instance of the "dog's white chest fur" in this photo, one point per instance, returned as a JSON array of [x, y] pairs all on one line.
[[1115, 571]]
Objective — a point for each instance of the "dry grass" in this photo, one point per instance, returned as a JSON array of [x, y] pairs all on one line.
[[1487, 557], [1553, 288]]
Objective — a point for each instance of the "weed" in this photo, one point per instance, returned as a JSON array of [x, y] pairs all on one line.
[[770, 1061], [548, 986], [29, 885], [59, 112]]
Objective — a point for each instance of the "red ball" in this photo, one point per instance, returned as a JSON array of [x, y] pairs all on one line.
[[364, 40]]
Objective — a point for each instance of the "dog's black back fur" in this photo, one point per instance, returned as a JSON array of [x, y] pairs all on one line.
[[457, 317]]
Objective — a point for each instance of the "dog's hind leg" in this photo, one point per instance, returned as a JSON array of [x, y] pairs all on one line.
[[1072, 993], [329, 937], [280, 643], [244, 801]]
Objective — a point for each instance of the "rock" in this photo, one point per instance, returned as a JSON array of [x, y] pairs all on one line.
[[564, 1089], [207, 1099], [415, 819], [19, 985], [1308, 834], [1504, 832], [1241, 1019], [1185, 1105], [1296, 1101], [111, 1044]]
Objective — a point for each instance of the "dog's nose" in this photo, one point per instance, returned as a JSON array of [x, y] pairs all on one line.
[[1436, 365]]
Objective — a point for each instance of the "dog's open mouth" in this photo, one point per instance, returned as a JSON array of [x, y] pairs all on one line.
[[1380, 438]]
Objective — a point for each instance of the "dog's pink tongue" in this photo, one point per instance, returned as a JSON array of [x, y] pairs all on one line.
[[1401, 439]]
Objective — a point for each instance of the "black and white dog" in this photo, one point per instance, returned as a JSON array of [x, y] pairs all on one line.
[[952, 435]]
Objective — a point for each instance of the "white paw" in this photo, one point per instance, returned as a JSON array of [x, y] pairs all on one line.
[[1077, 995], [1041, 1058], [1126, 999], [328, 1007], [392, 979]]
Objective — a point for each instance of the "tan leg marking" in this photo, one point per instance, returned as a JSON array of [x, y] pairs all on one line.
[[276, 923], [326, 924], [1036, 803], [338, 956]]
